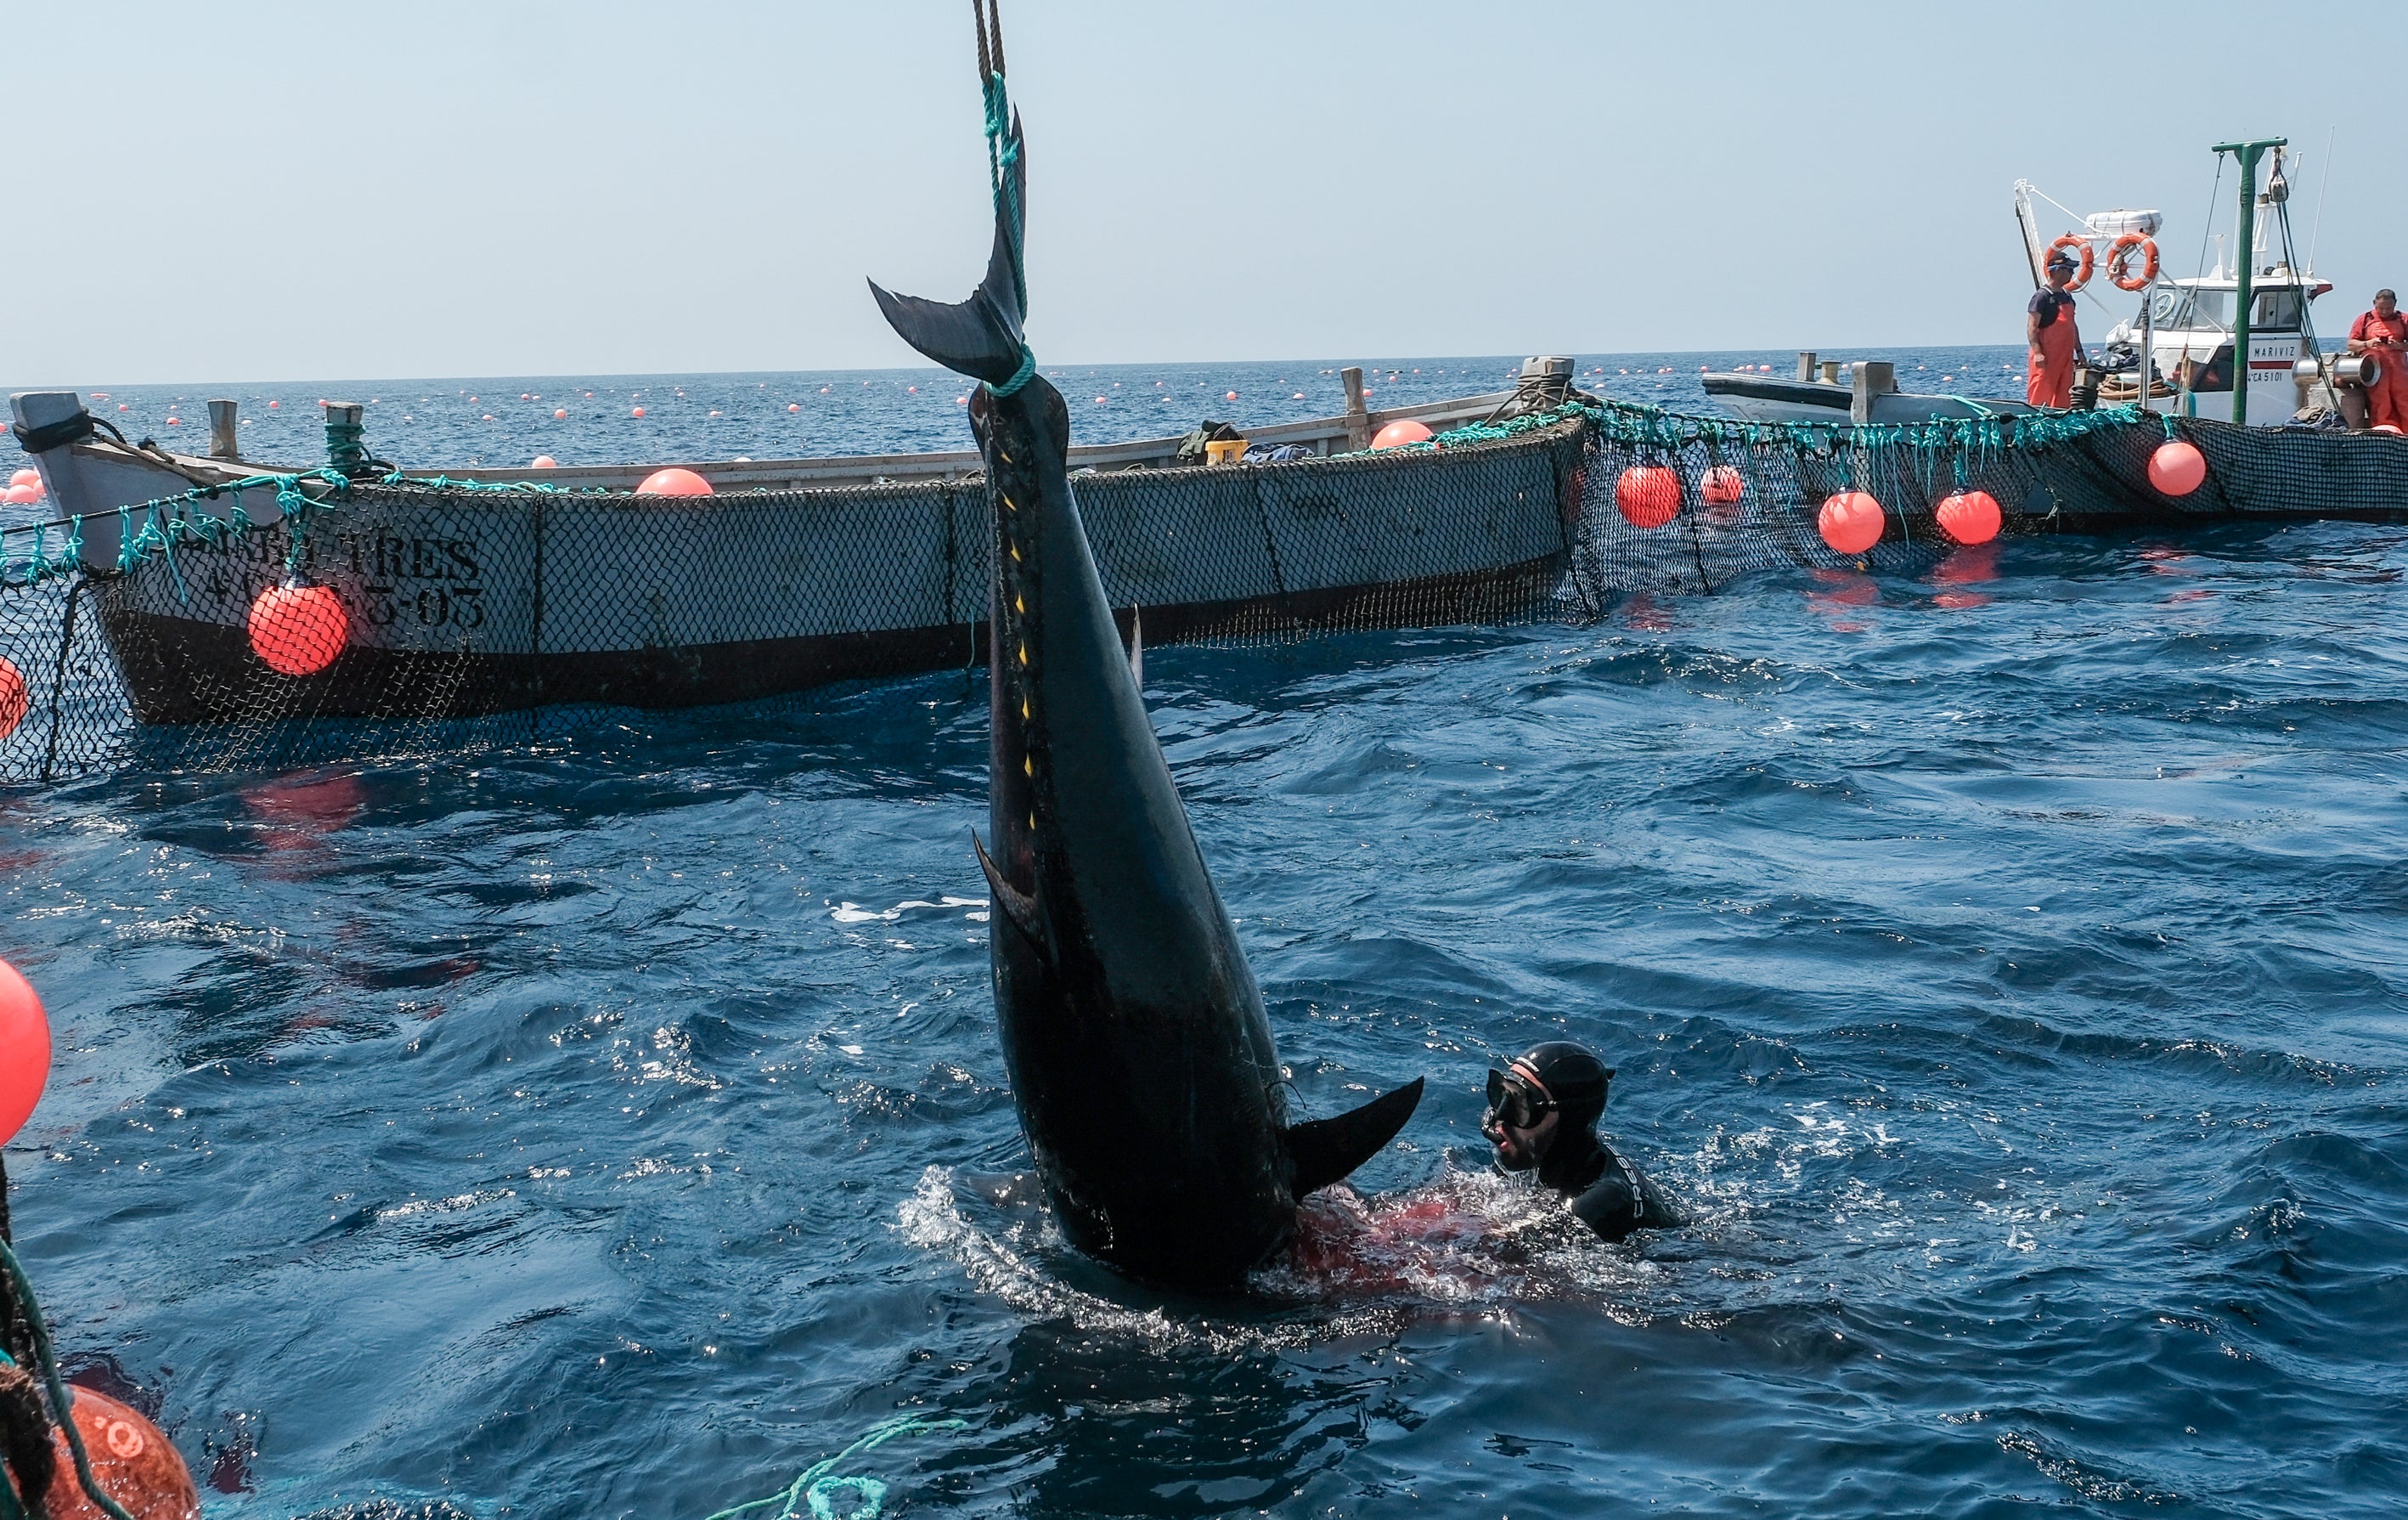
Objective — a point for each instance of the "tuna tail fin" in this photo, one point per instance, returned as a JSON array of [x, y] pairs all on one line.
[[1322, 1151], [982, 338]]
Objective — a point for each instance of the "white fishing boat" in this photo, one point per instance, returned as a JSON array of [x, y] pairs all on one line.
[[2257, 296], [1843, 394]]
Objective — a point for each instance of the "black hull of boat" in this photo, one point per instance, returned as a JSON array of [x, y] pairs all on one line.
[[182, 671]]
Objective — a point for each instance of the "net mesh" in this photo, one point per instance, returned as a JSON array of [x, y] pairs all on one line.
[[300, 619]]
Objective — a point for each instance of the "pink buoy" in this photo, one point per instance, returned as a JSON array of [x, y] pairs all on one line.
[[1968, 517], [24, 1052], [1851, 522], [794, 407], [27, 476], [1720, 486], [674, 482], [297, 630], [560, 414], [1402, 431], [638, 412], [1648, 495], [15, 699], [132, 1460], [21, 496], [544, 462], [2177, 468]]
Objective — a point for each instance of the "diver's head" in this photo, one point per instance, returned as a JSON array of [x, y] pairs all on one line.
[[1544, 1093]]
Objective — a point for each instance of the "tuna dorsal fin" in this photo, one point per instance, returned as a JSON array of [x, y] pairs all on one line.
[[1322, 1151], [1137, 649], [1015, 907]]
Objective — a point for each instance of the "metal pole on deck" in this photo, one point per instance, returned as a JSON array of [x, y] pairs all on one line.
[[2247, 154]]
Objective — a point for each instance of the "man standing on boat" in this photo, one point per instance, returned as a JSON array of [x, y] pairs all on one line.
[[2055, 342], [2384, 333]]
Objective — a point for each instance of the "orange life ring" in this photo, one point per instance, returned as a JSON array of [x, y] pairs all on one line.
[[2119, 261], [2089, 260]]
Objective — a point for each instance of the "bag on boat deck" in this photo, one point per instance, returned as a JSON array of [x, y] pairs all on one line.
[[1191, 447]]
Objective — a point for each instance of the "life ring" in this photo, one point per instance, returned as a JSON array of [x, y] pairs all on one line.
[[2089, 260], [2119, 261]]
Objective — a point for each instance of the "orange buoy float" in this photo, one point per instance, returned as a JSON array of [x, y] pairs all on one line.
[[132, 1460], [1231, 396], [2177, 468], [21, 496], [2066, 244], [2119, 261], [27, 476], [1722, 485], [297, 629], [1402, 431], [1969, 516], [1851, 522], [560, 414], [638, 412], [544, 462], [793, 406], [674, 482], [15, 700], [24, 1052], [1648, 495]]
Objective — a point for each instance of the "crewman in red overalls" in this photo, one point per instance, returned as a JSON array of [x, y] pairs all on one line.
[[2384, 333], [2055, 342]]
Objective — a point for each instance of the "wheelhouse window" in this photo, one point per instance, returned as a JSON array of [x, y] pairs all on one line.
[[2276, 310], [2181, 306]]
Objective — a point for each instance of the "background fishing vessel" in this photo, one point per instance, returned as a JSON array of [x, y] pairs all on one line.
[[2190, 326]]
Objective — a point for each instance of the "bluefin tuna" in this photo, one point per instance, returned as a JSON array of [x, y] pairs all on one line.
[[1141, 1058]]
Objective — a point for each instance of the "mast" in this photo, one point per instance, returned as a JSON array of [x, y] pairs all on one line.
[[2246, 154]]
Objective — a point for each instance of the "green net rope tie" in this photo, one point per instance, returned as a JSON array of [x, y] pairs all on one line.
[[818, 1485], [1001, 154], [21, 1288]]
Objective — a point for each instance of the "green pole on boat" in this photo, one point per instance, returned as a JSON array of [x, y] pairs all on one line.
[[2247, 153]]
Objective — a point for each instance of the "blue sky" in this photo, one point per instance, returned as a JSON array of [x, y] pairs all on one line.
[[283, 191]]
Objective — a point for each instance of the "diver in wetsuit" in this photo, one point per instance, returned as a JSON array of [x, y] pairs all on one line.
[[1542, 1113]]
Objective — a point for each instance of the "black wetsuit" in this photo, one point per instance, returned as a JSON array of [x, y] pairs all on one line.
[[1613, 1196]]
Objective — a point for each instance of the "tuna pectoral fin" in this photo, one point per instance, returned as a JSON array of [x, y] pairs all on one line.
[[1324, 1150], [1013, 906]]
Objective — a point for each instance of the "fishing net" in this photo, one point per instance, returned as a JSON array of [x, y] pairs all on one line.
[[300, 618]]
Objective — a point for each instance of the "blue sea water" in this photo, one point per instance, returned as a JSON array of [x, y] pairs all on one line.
[[2004, 965], [433, 423]]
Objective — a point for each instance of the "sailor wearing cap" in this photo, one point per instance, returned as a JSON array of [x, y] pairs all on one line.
[[2055, 342]]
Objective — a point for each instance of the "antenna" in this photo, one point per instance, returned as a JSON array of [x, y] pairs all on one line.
[[2323, 179]]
